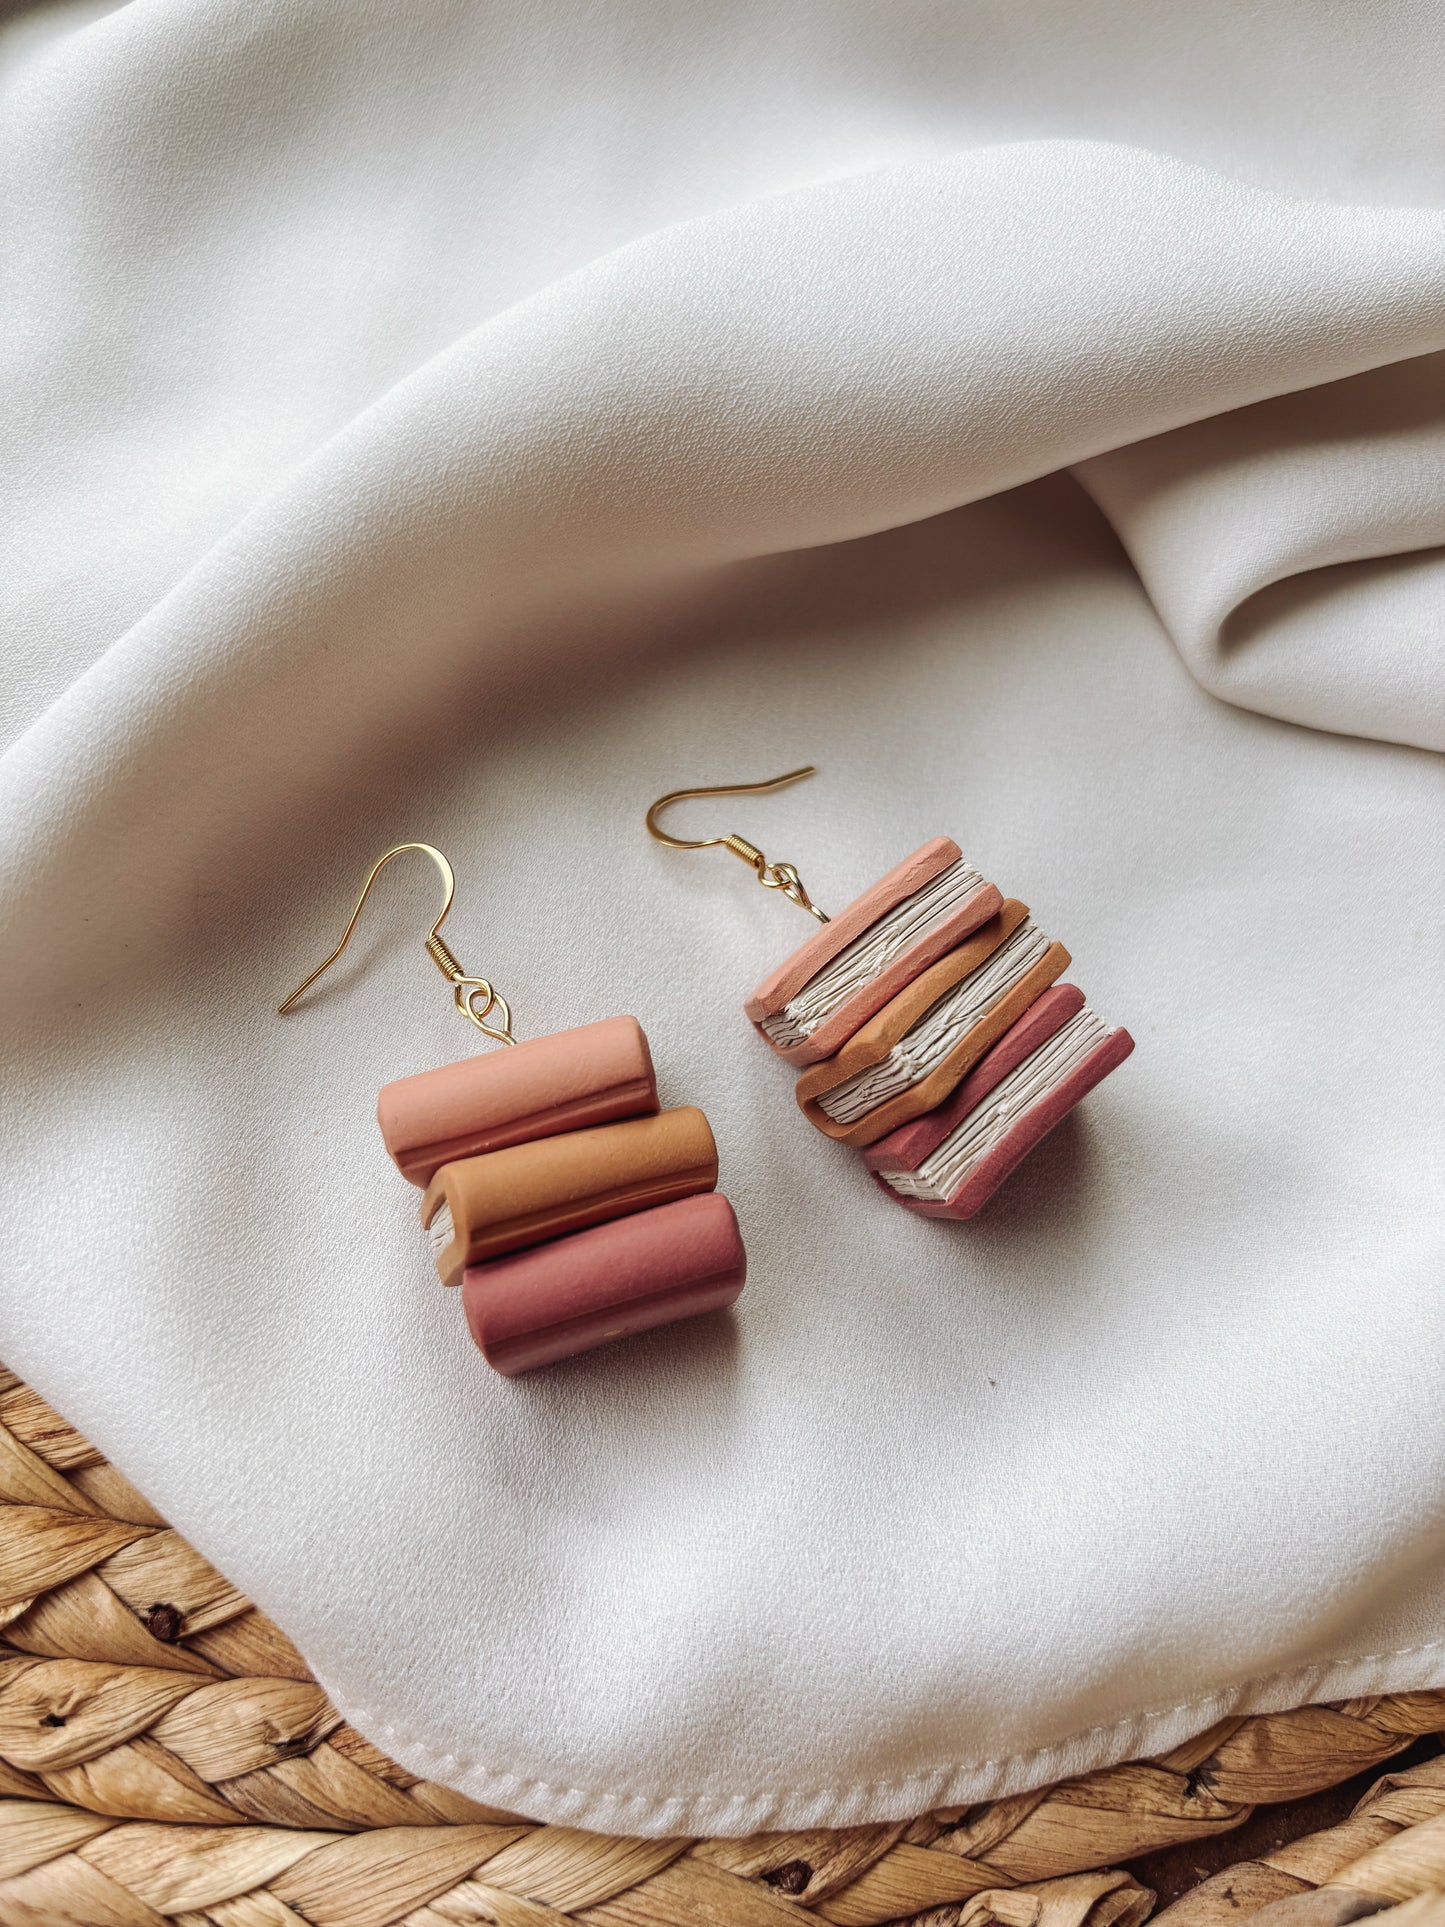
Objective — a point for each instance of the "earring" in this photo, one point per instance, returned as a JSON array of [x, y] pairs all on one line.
[[569, 1207], [927, 1019]]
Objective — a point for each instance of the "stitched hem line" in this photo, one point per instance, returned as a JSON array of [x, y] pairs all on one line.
[[1154, 1730]]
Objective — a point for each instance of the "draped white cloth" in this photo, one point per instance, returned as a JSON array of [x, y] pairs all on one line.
[[467, 420]]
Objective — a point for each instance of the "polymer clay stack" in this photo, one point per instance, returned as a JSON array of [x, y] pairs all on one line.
[[567, 1205], [933, 1033]]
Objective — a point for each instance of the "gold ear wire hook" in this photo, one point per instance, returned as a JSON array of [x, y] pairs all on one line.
[[467, 992], [772, 876]]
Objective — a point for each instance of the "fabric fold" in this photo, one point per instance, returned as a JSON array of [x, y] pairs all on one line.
[[906, 342], [1274, 538]]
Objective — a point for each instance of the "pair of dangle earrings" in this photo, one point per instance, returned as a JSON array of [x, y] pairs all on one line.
[[932, 1033]]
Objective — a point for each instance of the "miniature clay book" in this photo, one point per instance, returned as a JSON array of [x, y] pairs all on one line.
[[949, 1163], [595, 1074], [611, 1281], [479, 1208], [814, 1001]]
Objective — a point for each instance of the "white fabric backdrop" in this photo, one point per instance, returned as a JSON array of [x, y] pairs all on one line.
[[467, 421]]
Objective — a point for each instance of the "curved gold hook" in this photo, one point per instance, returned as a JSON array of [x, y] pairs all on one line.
[[772, 876], [467, 992], [717, 789]]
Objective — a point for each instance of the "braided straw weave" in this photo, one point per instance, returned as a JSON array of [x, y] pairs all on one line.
[[166, 1756]]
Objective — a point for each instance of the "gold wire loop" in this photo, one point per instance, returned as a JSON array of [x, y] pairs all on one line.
[[466, 994], [772, 876], [474, 997]]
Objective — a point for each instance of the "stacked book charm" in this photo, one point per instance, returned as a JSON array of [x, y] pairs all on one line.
[[933, 1032], [567, 1205]]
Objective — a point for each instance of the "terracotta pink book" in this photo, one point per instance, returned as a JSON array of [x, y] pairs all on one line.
[[597, 1074], [814, 1001], [949, 1163]]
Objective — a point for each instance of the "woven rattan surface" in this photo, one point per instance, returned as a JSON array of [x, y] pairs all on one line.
[[166, 1756]]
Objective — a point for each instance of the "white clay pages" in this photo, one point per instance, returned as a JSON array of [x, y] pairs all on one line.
[[859, 962], [923, 1048], [945, 1171], [439, 1231]]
